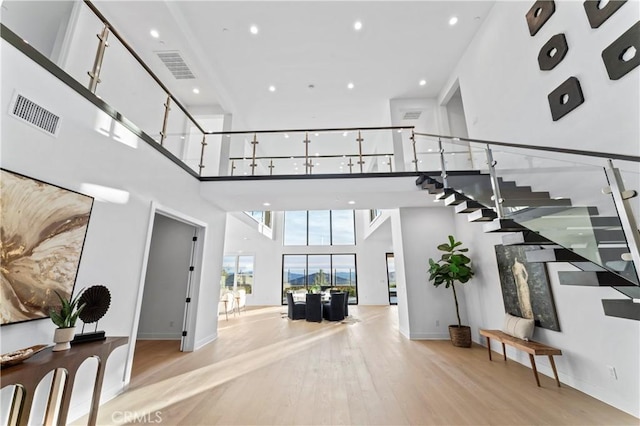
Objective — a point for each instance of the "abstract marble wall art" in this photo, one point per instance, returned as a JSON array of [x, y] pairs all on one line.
[[42, 232]]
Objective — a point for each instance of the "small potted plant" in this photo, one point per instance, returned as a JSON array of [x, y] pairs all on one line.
[[65, 317], [453, 267]]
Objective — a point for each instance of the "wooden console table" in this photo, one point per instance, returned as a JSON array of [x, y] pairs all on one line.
[[26, 376]]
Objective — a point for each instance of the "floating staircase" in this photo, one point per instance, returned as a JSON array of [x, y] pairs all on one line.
[[560, 231]]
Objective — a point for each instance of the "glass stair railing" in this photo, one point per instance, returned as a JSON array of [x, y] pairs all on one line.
[[545, 202]]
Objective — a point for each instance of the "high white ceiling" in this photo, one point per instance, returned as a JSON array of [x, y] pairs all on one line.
[[302, 43]]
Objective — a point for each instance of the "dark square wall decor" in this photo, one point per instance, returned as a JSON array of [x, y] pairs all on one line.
[[597, 14], [622, 55], [565, 98], [525, 286], [43, 230], [539, 13], [553, 52]]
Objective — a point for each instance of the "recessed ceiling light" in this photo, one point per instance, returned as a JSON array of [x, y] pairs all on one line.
[[266, 204], [317, 153], [286, 136], [253, 29], [350, 86], [196, 90], [357, 25], [272, 88], [453, 20], [154, 33], [422, 82], [345, 134], [317, 134], [352, 202]]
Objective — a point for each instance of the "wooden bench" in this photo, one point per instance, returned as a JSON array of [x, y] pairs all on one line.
[[530, 347]]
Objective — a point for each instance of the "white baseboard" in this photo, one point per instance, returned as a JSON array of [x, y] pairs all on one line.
[[429, 336], [206, 340]]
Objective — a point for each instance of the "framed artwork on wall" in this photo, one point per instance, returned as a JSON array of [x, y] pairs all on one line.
[[43, 230], [525, 286]]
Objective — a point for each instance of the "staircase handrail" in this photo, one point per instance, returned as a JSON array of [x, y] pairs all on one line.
[[607, 155]]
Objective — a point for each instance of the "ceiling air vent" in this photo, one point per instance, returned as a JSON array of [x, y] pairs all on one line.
[[33, 114], [176, 65], [412, 115]]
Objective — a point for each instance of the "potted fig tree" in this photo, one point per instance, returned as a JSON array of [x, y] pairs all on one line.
[[65, 317], [453, 267]]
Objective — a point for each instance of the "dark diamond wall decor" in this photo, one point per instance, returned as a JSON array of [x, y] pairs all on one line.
[[553, 52], [539, 13], [597, 15], [565, 98], [622, 55]]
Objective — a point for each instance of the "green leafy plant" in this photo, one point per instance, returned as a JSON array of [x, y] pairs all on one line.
[[65, 315], [452, 267]]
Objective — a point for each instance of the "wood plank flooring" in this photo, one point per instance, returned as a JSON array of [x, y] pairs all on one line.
[[267, 370]]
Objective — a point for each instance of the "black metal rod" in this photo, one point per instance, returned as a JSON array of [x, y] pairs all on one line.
[[540, 148]]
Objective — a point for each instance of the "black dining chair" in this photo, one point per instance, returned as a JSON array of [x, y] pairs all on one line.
[[296, 310], [334, 309], [314, 307], [346, 301]]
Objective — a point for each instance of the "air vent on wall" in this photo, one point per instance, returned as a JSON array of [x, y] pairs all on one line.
[[412, 115], [33, 114], [176, 64]]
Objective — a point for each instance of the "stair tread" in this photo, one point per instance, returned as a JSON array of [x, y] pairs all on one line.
[[621, 308]]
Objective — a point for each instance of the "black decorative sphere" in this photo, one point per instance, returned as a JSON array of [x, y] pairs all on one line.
[[97, 300]]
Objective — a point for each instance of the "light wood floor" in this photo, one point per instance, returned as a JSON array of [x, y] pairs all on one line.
[[265, 369]]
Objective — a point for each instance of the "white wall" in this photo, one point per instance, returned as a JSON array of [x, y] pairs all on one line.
[[117, 233], [165, 288], [505, 92], [52, 18], [505, 99], [267, 289], [427, 310]]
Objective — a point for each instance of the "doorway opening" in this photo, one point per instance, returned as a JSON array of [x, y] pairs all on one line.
[[455, 124], [168, 293]]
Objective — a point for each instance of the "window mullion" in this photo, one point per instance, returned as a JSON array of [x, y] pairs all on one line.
[[330, 227]]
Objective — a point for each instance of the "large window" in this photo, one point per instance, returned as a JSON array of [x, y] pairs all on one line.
[[319, 228], [237, 273], [263, 217], [320, 271]]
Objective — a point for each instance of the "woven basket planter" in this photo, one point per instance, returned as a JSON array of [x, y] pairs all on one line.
[[460, 336]]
